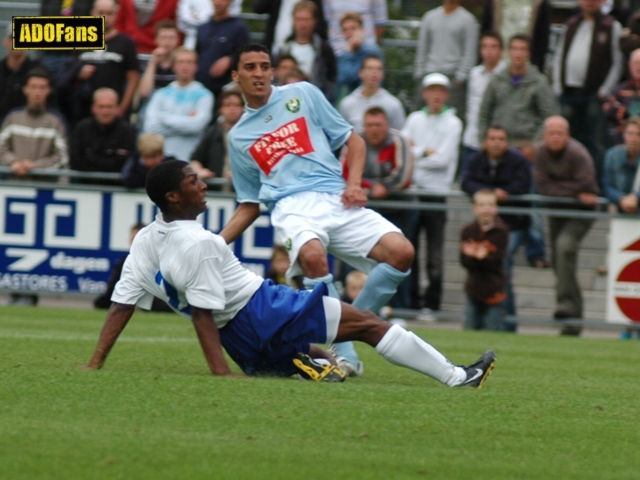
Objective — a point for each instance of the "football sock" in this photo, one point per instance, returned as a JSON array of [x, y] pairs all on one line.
[[344, 349], [406, 349], [380, 286]]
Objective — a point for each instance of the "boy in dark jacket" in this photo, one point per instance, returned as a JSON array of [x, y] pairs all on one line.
[[483, 249]]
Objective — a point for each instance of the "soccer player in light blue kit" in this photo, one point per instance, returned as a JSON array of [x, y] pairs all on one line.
[[281, 153]]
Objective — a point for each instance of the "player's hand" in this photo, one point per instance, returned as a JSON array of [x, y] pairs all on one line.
[[589, 199], [86, 72], [354, 196]]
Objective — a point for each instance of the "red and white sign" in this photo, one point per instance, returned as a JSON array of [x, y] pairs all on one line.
[[292, 137], [623, 286]]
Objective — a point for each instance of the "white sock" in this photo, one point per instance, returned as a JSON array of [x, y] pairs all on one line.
[[406, 349]]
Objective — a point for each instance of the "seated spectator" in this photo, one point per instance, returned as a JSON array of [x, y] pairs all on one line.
[[150, 152], [389, 162], [138, 19], [103, 302], [284, 65], [180, 111], [279, 24], [625, 100], [193, 13], [115, 67], [479, 77], [32, 137], [371, 94], [563, 167], [103, 142], [159, 72], [351, 57], [13, 76], [435, 134], [483, 246], [621, 181], [505, 171], [216, 41], [313, 54], [211, 157]]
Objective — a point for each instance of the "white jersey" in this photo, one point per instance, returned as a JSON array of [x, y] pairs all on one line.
[[183, 264]]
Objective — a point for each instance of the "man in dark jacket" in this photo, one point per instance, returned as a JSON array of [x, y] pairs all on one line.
[[102, 142]]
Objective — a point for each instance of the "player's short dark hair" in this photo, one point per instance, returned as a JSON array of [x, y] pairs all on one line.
[[246, 48], [523, 37], [492, 34], [496, 126], [162, 179], [38, 72], [369, 57]]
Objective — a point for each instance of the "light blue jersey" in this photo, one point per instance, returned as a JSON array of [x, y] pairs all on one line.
[[287, 145]]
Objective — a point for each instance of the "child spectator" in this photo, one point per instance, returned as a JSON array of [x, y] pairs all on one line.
[[483, 249], [278, 267], [150, 153], [353, 283]]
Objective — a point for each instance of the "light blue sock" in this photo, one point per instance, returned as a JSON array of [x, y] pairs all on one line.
[[344, 349], [380, 286]]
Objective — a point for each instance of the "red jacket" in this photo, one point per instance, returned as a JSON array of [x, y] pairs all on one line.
[[127, 22]]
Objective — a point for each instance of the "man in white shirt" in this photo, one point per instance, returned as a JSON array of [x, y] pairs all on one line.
[[195, 272], [435, 134], [371, 94]]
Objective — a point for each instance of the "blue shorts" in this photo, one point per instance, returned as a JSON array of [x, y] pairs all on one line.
[[276, 324]]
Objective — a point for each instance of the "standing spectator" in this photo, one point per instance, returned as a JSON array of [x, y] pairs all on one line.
[[103, 142], [350, 60], [505, 171], [490, 55], [372, 12], [483, 244], [314, 55], [564, 168], [150, 152], [211, 157], [115, 67], [181, 110], [193, 13], [518, 98], [32, 137], [448, 43], [625, 101], [371, 94], [280, 22], [511, 17], [216, 42], [158, 72], [435, 134], [138, 19], [13, 76], [587, 66]]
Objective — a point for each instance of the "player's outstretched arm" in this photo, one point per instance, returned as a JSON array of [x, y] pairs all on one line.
[[209, 337], [117, 318], [245, 215]]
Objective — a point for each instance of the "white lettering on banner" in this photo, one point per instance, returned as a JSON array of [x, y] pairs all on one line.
[[249, 248], [127, 209], [37, 283], [28, 258], [27, 210], [87, 221], [88, 285], [79, 265]]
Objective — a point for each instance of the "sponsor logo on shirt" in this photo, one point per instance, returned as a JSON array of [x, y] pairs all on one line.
[[292, 137], [293, 105]]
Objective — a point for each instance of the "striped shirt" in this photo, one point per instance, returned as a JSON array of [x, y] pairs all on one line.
[[373, 12]]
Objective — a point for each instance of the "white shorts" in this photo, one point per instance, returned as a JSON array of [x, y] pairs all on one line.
[[347, 233]]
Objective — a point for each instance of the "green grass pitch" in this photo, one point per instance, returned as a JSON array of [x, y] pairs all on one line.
[[554, 408]]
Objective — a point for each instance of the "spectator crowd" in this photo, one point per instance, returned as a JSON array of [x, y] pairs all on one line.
[[501, 116]]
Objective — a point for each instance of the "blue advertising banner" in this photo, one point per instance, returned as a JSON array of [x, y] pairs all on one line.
[[63, 239]]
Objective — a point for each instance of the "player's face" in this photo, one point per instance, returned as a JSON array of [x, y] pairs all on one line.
[[254, 77], [192, 196]]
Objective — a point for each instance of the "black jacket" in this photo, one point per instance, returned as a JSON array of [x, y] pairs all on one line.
[[211, 150]]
